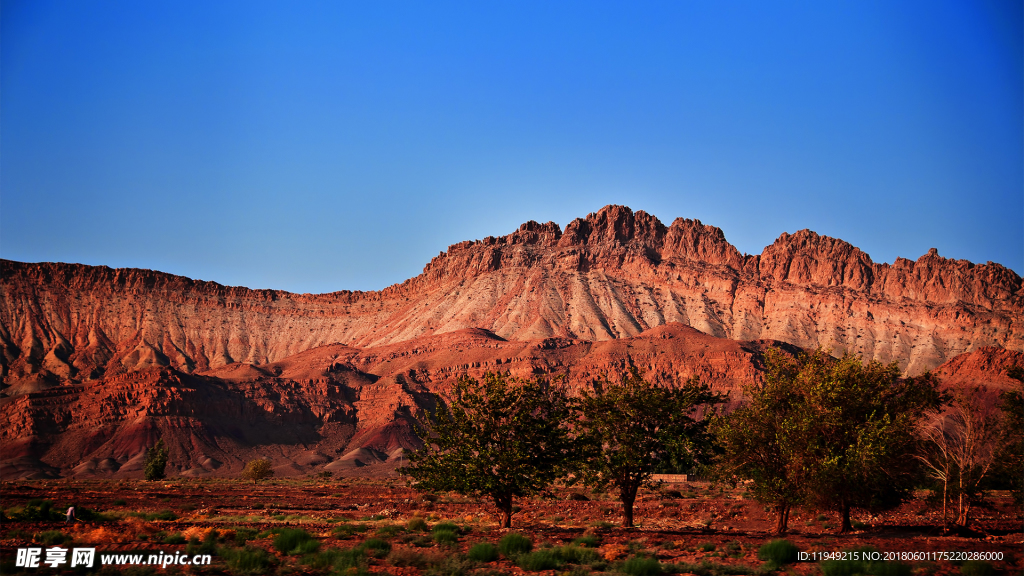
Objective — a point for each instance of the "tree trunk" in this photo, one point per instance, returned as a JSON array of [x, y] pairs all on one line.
[[628, 497], [846, 525], [504, 504], [782, 521]]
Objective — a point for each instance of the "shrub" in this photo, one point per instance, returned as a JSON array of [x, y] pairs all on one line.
[[539, 560], [175, 538], [207, 546], [483, 552], [445, 536], [588, 540], [454, 565], [404, 557], [642, 566], [389, 531], [156, 461], [853, 567], [416, 524], [976, 568], [120, 502], [778, 552], [579, 497], [243, 535], [52, 537], [348, 530], [257, 470], [376, 547], [446, 527], [294, 541], [247, 560], [706, 547], [514, 544], [576, 555]]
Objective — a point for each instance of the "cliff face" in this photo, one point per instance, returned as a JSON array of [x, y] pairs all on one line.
[[334, 407], [611, 275]]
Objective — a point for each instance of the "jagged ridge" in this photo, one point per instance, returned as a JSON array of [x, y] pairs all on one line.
[[611, 275]]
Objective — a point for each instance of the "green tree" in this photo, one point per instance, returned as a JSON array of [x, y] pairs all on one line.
[[1010, 457], [829, 433], [862, 422], [627, 429], [763, 441], [257, 470], [500, 438], [156, 461]]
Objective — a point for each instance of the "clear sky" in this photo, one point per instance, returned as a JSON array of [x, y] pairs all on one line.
[[319, 146]]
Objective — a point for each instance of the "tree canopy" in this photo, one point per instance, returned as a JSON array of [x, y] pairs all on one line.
[[500, 437], [829, 433], [627, 429], [155, 463]]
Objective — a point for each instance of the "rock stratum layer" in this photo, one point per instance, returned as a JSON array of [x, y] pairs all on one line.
[[611, 275], [97, 362]]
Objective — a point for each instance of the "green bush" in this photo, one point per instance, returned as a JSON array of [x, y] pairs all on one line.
[[348, 530], [571, 554], [445, 536], [293, 541], [642, 566], [404, 557], [539, 560], [446, 527], [52, 537], [483, 552], [855, 567], [175, 538], [778, 552], [389, 531], [243, 535], [977, 568], [376, 547], [454, 565], [247, 560], [706, 547], [207, 546], [513, 544], [416, 524], [588, 540]]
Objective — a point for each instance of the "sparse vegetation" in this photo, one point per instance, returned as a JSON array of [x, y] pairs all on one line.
[[257, 470]]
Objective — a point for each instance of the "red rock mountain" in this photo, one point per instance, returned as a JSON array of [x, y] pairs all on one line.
[[97, 363]]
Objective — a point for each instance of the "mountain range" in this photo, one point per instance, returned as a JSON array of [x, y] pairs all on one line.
[[97, 363]]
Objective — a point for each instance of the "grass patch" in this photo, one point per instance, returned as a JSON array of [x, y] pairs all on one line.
[[642, 566], [514, 544], [571, 554], [777, 553], [346, 531], [416, 524], [853, 567], [293, 541], [52, 537], [544, 559], [376, 547], [588, 540], [175, 538], [247, 560], [483, 552]]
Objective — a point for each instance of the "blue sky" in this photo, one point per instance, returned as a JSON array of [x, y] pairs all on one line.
[[319, 146]]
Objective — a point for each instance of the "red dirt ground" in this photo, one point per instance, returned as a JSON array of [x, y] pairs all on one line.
[[669, 527]]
